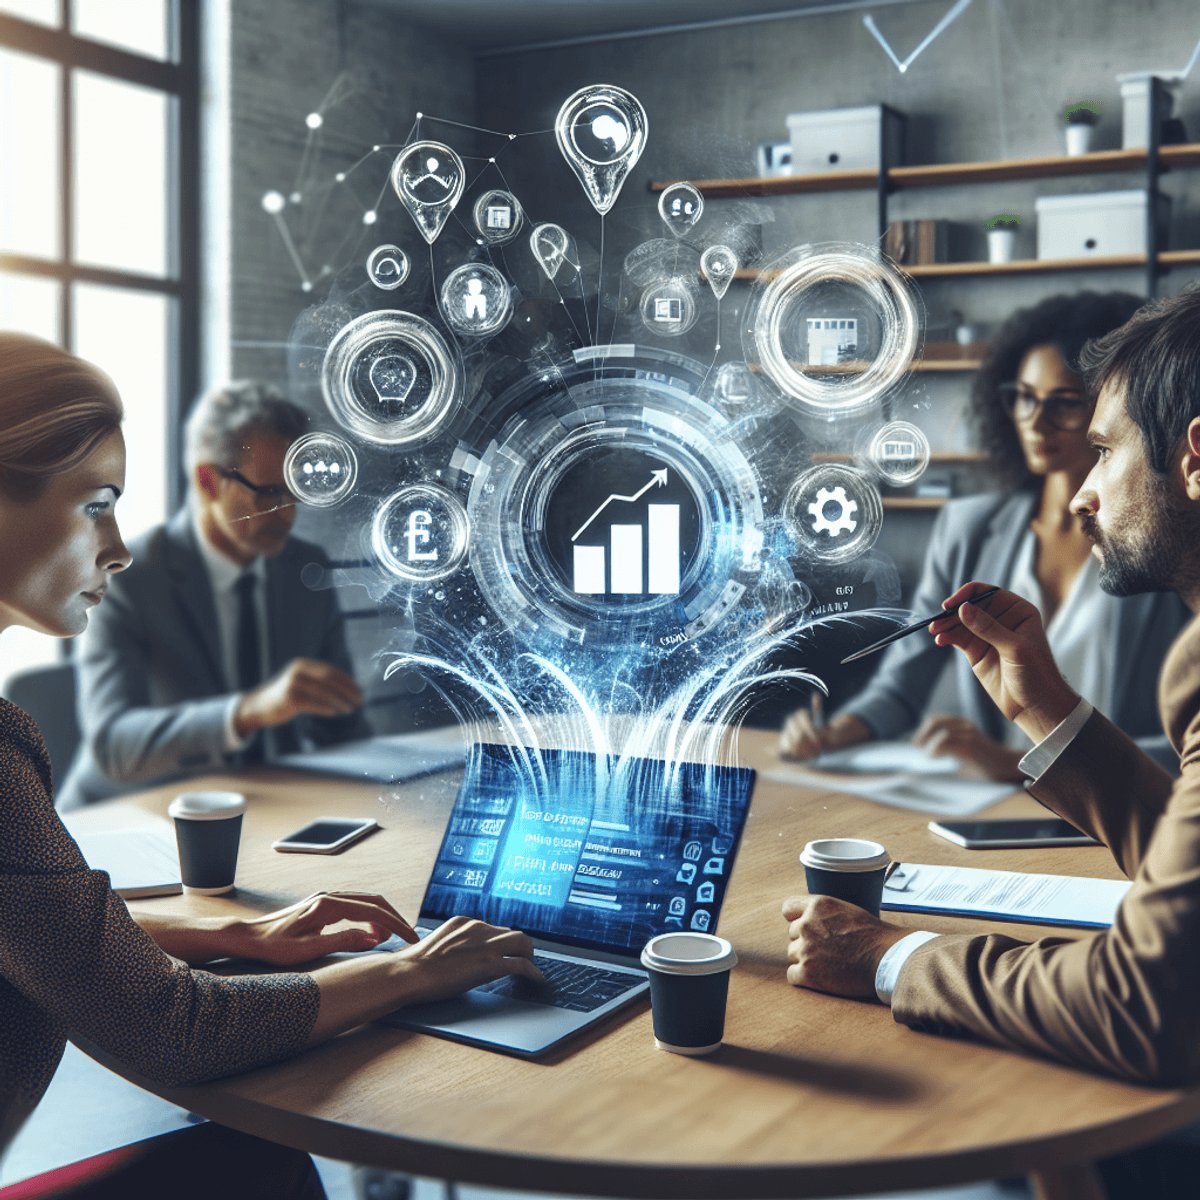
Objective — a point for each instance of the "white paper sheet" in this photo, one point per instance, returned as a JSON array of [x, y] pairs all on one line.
[[938, 795], [1007, 895], [139, 862], [884, 758]]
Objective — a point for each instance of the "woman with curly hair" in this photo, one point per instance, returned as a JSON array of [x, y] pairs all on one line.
[[1031, 411]]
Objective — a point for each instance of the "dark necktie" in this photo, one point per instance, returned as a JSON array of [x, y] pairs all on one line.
[[249, 654]]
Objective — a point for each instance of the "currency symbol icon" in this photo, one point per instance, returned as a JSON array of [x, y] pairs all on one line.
[[418, 534]]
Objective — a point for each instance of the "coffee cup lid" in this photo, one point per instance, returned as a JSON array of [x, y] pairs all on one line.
[[207, 806], [845, 854], [685, 953]]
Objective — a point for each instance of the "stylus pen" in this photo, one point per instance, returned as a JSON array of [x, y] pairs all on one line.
[[923, 623]]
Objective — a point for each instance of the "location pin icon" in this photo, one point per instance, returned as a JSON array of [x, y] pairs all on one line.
[[601, 131], [429, 179], [552, 246], [719, 264], [680, 207]]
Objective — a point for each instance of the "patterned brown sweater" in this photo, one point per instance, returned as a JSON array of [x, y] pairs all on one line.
[[72, 960]]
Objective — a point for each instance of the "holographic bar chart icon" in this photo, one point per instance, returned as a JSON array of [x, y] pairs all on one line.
[[617, 568]]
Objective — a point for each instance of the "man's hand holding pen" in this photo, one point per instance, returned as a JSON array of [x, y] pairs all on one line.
[[1007, 649]]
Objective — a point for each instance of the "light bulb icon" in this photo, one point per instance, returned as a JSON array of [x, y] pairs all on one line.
[[392, 376]]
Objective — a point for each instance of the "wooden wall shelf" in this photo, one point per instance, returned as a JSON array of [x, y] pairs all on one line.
[[910, 502], [1026, 266], [1037, 266], [945, 174], [947, 365], [937, 456]]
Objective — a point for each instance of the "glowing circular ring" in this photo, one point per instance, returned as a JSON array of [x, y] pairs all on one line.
[[852, 526], [898, 452], [885, 288], [373, 331], [479, 215], [500, 291], [675, 290], [645, 403], [387, 281], [303, 476], [455, 543]]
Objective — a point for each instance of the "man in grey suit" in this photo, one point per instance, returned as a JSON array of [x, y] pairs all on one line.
[[209, 651]]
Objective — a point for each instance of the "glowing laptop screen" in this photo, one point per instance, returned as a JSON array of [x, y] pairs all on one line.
[[539, 842]]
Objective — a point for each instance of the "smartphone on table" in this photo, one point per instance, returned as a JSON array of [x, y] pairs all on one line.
[[1003, 834], [326, 835]]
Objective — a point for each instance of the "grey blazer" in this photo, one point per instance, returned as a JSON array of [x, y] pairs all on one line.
[[978, 538], [152, 693]]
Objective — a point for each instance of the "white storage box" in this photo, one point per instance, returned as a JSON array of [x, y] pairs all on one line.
[[1098, 223], [1135, 104], [846, 139]]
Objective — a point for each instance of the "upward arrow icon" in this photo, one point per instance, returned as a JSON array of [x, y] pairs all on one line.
[[656, 477]]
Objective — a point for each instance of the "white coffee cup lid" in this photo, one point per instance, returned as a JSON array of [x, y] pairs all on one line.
[[207, 806], [845, 854], [687, 953]]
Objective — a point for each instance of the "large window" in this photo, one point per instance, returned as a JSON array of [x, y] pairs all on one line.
[[98, 218]]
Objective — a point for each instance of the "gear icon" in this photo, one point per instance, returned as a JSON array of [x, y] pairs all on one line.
[[844, 522]]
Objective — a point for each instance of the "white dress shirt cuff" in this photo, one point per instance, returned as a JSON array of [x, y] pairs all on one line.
[[233, 743], [890, 965], [1042, 757]]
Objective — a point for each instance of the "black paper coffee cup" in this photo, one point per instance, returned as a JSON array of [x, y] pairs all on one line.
[[689, 984], [208, 828], [849, 869]]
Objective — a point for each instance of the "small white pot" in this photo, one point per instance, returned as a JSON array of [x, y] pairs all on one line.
[[1001, 243], [1079, 138]]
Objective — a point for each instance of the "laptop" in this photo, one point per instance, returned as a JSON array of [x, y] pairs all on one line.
[[590, 857], [379, 759]]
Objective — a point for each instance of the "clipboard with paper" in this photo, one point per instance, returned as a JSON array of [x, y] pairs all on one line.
[[1004, 895]]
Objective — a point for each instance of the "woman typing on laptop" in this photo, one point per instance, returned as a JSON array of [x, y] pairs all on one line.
[[72, 959]]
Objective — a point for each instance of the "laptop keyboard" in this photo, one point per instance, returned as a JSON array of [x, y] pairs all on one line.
[[580, 987]]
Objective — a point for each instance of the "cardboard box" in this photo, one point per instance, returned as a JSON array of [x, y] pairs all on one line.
[[846, 139], [772, 159], [1097, 223], [921, 241]]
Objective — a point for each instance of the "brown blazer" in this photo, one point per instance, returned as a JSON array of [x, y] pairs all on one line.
[[1126, 1000]]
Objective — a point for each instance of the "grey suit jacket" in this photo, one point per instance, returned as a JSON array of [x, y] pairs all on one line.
[[978, 538], [152, 692]]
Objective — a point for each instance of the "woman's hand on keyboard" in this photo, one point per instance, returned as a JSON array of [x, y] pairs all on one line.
[[463, 953]]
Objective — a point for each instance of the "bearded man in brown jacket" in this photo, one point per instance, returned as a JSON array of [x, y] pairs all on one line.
[[1127, 1000]]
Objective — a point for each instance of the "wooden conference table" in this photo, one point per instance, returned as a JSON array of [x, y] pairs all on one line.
[[810, 1095]]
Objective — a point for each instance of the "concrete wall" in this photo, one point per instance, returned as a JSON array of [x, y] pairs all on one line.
[[989, 87], [369, 74]]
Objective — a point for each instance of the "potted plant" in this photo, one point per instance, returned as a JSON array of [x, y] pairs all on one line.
[[1002, 237], [1081, 118]]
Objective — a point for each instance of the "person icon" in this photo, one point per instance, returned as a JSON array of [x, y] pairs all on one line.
[[475, 302], [432, 166]]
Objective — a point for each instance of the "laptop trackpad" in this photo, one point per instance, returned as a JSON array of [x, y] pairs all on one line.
[[499, 1020]]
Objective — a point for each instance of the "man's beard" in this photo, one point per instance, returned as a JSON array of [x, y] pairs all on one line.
[[1149, 556]]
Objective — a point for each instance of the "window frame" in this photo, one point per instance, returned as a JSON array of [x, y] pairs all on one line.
[[179, 79]]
